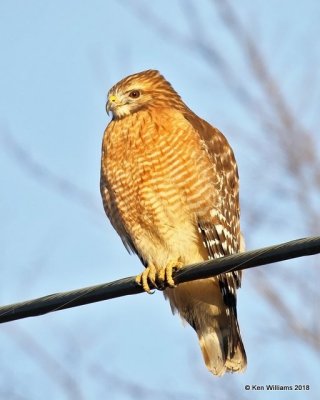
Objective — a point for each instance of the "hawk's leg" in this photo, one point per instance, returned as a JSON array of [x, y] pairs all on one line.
[[159, 278]]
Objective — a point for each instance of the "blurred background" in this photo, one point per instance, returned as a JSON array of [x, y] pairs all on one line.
[[249, 68]]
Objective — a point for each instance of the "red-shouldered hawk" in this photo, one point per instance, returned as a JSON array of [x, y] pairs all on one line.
[[169, 184]]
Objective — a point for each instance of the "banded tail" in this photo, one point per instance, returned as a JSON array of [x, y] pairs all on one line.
[[201, 304]]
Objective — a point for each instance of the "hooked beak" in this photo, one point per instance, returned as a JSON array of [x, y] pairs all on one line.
[[112, 101]]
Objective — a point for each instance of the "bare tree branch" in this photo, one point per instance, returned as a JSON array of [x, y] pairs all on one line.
[[55, 370]]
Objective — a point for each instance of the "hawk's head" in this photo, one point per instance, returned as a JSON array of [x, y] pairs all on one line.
[[140, 91]]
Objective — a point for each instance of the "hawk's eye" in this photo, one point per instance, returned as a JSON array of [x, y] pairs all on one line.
[[134, 94]]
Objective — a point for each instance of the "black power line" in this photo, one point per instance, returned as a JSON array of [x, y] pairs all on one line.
[[128, 286]]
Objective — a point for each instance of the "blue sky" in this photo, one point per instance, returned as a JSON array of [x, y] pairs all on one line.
[[58, 60]]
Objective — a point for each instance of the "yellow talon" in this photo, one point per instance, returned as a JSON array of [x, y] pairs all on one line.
[[169, 269], [162, 277], [146, 277], [159, 278]]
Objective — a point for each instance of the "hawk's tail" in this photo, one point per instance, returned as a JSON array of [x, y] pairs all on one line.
[[222, 348], [215, 324]]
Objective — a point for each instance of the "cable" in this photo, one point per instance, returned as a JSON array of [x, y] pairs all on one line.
[[128, 286]]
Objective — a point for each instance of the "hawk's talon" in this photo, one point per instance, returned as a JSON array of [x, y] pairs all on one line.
[[173, 266], [158, 278]]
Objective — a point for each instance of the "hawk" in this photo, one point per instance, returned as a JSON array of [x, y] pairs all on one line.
[[169, 184]]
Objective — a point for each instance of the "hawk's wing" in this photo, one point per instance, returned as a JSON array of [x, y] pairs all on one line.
[[220, 227]]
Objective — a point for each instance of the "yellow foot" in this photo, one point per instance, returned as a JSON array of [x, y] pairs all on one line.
[[158, 278]]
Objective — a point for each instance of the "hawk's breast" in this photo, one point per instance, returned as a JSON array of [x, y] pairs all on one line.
[[160, 178]]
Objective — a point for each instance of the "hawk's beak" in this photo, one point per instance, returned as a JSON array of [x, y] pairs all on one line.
[[112, 100]]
